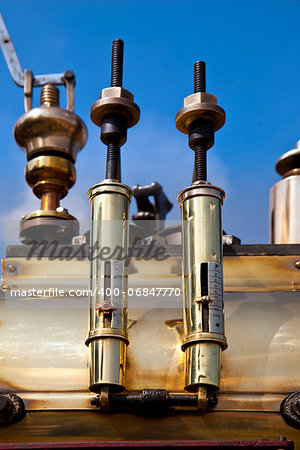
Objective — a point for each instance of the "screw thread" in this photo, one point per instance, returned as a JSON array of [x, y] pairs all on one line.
[[199, 77], [200, 167], [50, 95], [200, 171], [113, 162], [117, 63]]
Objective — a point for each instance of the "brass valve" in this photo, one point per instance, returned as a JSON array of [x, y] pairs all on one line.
[[51, 138]]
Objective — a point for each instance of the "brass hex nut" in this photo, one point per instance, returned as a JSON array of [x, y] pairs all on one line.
[[200, 97], [199, 105], [115, 100], [116, 92]]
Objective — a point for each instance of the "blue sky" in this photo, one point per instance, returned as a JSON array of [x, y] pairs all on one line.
[[251, 49]]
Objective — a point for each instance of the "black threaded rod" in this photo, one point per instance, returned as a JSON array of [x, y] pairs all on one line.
[[199, 77], [113, 162], [117, 63], [200, 166], [112, 128], [200, 163]]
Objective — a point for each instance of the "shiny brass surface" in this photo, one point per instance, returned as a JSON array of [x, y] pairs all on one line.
[[202, 398], [107, 363], [203, 318], [51, 137], [115, 100], [199, 105], [107, 337], [49, 201], [50, 129], [50, 174], [60, 214], [202, 366], [50, 95], [196, 190]]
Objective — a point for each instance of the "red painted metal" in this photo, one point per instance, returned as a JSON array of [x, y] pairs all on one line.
[[149, 445]]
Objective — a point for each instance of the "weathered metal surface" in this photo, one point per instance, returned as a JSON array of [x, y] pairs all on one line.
[[43, 350], [44, 359], [203, 445], [92, 426], [241, 273]]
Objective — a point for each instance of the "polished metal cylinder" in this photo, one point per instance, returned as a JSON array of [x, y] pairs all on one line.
[[107, 339], [284, 200], [203, 315]]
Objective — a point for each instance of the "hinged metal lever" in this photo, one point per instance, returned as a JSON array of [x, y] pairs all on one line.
[[25, 79], [148, 210]]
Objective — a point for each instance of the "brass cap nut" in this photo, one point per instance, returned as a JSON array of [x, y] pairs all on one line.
[[115, 100], [199, 105]]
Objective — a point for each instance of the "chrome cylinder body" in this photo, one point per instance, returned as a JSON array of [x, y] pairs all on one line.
[[284, 200], [203, 314], [107, 337], [284, 211]]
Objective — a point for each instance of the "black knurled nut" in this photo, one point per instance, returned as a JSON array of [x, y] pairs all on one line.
[[290, 410], [12, 408]]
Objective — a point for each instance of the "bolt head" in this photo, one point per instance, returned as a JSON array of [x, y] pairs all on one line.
[[297, 264], [12, 268], [69, 75]]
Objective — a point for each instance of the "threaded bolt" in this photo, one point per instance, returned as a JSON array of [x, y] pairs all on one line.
[[113, 162], [113, 148], [117, 63], [50, 95], [200, 163], [200, 168], [199, 77]]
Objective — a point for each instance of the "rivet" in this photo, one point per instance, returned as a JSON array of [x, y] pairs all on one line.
[[12, 268]]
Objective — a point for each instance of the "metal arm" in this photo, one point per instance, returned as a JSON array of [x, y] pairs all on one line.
[[14, 64]]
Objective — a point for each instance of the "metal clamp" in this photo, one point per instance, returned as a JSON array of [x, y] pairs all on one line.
[[25, 79]]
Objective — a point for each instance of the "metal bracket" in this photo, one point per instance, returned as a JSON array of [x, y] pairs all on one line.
[[25, 79]]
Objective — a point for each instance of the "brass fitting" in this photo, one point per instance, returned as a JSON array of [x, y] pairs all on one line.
[[50, 174], [50, 129], [200, 105], [201, 204], [51, 138], [107, 338], [115, 100]]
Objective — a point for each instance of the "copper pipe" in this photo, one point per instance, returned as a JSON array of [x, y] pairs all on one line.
[[49, 201]]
